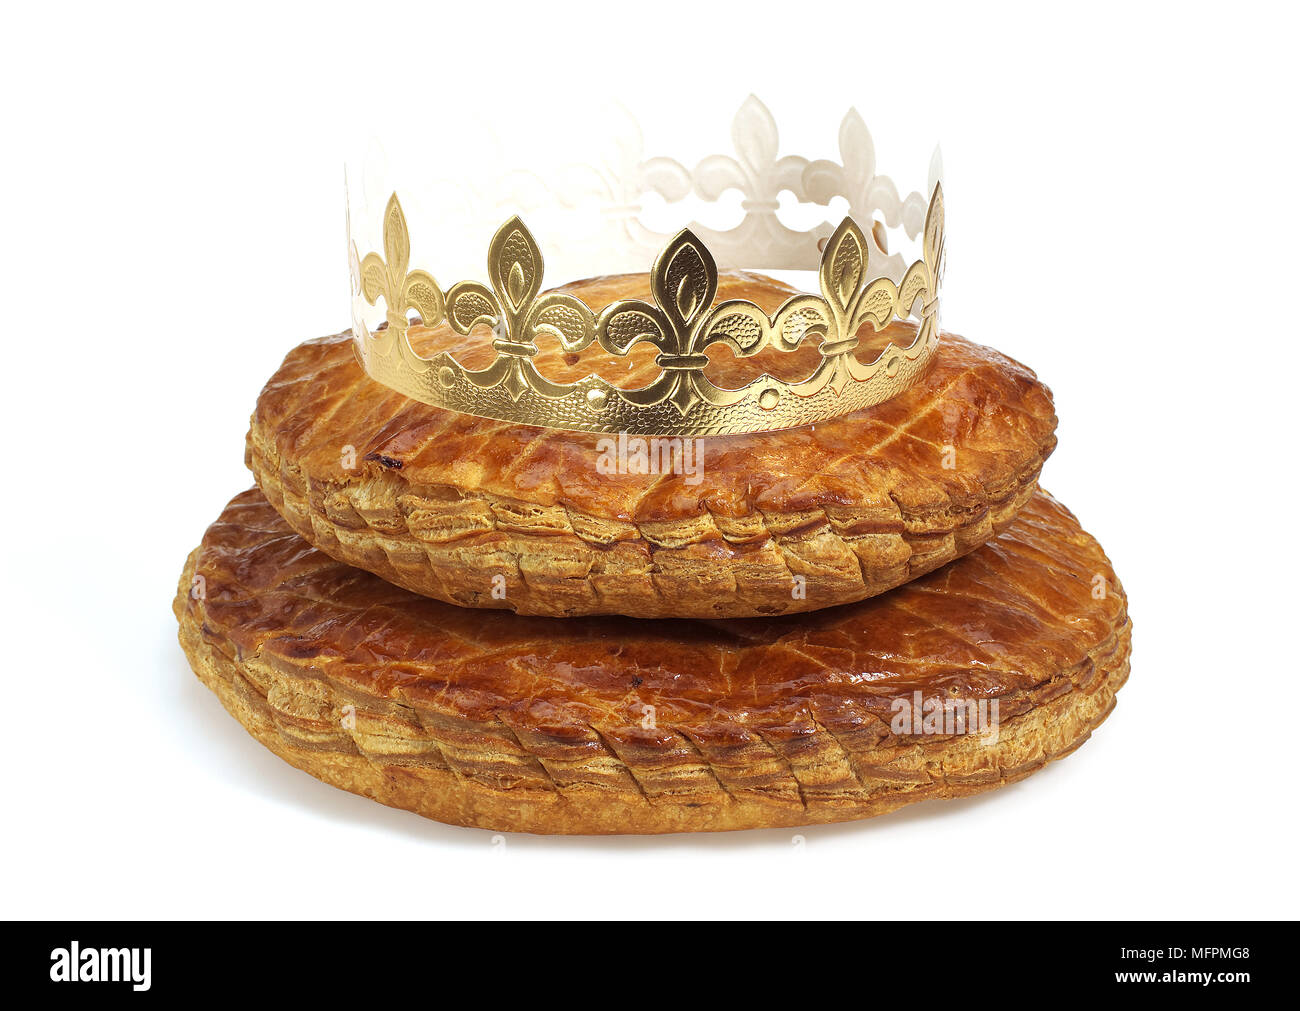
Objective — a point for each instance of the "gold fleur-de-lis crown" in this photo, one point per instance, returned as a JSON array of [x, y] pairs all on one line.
[[681, 321]]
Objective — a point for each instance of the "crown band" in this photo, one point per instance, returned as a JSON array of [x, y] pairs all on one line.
[[681, 323], [680, 320]]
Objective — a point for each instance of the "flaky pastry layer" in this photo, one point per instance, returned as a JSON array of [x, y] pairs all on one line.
[[486, 514], [611, 725]]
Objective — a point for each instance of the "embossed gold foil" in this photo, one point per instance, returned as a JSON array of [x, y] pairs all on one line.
[[681, 322]]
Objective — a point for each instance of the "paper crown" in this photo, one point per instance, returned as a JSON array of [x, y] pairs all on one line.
[[860, 283]]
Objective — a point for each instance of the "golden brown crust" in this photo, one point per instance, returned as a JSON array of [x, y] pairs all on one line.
[[531, 724], [442, 503]]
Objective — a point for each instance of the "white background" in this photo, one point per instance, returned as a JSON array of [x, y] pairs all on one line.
[[1122, 217]]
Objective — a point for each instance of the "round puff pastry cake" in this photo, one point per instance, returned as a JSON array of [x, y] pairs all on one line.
[[601, 725], [483, 513]]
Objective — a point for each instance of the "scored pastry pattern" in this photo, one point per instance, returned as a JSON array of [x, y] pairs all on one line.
[[867, 513], [799, 748]]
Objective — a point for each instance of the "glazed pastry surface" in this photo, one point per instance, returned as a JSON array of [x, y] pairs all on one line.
[[605, 724], [453, 506]]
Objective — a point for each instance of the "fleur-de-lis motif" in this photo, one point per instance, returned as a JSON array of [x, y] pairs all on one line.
[[680, 320], [681, 324], [757, 171], [924, 277], [851, 304], [932, 243], [843, 268], [844, 306], [761, 176], [389, 278], [683, 282], [867, 192], [517, 313], [855, 179]]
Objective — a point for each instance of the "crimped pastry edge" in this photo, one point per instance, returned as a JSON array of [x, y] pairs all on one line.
[[300, 719], [670, 581]]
